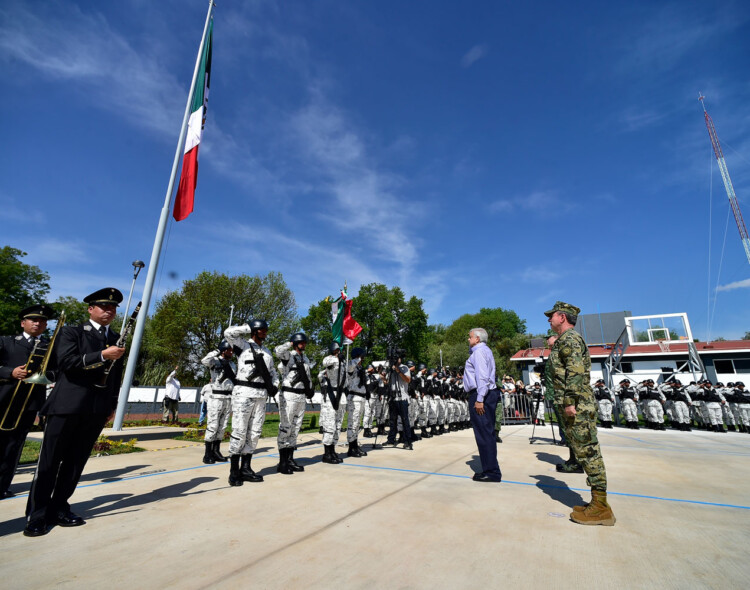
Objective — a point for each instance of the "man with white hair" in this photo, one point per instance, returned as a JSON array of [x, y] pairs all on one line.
[[479, 383]]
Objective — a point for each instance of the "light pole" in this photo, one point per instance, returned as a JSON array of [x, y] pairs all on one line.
[[137, 266]]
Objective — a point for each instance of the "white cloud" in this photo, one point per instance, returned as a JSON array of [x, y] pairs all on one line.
[[539, 274], [744, 284], [473, 55], [537, 201]]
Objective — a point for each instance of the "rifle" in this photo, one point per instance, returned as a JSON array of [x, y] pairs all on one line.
[[260, 367], [301, 376]]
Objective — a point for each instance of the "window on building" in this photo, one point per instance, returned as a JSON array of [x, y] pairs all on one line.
[[626, 367], [742, 365], [724, 366]]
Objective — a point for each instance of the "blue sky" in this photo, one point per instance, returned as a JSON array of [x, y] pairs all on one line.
[[476, 154]]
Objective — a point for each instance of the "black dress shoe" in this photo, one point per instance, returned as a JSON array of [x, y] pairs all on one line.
[[6, 494], [485, 477], [36, 528], [69, 518], [408, 447]]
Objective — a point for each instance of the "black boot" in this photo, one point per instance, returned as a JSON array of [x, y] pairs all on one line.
[[217, 452], [235, 479], [246, 472], [330, 456], [400, 439], [354, 450], [283, 466], [367, 433], [426, 432], [292, 463], [208, 457], [662, 426]]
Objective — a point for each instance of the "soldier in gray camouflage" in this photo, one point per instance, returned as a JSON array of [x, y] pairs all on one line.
[[570, 372], [218, 399]]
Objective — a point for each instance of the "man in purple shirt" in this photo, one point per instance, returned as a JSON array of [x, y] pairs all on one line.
[[479, 382]]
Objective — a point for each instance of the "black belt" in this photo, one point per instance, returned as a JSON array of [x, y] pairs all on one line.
[[260, 385], [359, 393], [221, 392], [292, 389]]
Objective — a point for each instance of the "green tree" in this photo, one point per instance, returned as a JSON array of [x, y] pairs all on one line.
[[189, 323], [76, 311], [21, 285], [746, 336]]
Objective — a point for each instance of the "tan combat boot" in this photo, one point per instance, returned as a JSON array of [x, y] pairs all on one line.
[[597, 512]]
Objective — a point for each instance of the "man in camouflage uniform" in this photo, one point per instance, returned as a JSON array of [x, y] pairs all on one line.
[[356, 401], [570, 370], [604, 401], [371, 403], [296, 389], [218, 399], [333, 386]]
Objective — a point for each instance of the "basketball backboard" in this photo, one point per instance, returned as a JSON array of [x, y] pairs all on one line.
[[652, 329]]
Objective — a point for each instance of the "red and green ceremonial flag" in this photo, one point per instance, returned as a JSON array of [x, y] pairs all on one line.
[[183, 204], [345, 328]]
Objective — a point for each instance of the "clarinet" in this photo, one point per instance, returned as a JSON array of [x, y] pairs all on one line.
[[126, 331]]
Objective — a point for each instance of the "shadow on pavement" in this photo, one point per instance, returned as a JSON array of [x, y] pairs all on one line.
[[549, 458], [558, 490], [475, 464]]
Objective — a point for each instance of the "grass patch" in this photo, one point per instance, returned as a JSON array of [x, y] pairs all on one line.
[[197, 433], [103, 446]]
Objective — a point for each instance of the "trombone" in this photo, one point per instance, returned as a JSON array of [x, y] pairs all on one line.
[[13, 415]]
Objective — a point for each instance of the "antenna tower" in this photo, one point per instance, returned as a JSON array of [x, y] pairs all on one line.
[[727, 181]]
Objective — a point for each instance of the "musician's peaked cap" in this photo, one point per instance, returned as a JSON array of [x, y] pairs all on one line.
[[564, 307], [42, 311], [106, 296]]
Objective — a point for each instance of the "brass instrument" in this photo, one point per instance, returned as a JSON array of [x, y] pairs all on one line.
[[38, 378], [129, 326]]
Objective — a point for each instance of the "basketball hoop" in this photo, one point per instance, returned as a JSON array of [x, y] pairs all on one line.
[[663, 344]]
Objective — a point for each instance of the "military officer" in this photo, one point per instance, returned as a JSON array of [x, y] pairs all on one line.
[[218, 399], [356, 401], [15, 419], [371, 403], [712, 402], [256, 380], [628, 403], [333, 384], [653, 404], [604, 401], [680, 401], [296, 389], [84, 396], [570, 368]]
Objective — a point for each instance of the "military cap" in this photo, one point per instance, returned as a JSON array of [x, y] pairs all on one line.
[[106, 296], [565, 307], [258, 324], [625, 381], [42, 311]]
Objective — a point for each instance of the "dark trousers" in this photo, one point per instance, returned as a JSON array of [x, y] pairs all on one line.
[[398, 408], [484, 432], [11, 446], [68, 441]]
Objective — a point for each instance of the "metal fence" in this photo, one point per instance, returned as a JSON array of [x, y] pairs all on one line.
[[521, 408]]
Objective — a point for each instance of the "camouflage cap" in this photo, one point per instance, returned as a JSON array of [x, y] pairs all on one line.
[[565, 307]]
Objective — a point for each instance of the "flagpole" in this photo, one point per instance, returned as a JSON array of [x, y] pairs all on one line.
[[158, 241]]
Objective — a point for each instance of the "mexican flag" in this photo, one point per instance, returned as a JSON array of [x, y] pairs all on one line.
[[345, 329], [183, 204]]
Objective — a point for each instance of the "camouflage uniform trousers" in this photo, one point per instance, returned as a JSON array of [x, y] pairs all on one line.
[[744, 410], [580, 433], [413, 411], [681, 413], [654, 411], [669, 411], [697, 411], [331, 420], [713, 413], [355, 407], [499, 411], [424, 410], [605, 410], [432, 412], [248, 415], [441, 411], [629, 410], [291, 416], [729, 418], [218, 408], [370, 411]]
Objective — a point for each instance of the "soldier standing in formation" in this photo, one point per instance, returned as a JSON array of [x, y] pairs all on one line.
[[218, 399], [653, 404], [296, 389], [680, 402], [570, 369], [371, 403], [84, 396], [604, 400], [16, 421], [333, 383], [356, 401], [628, 403], [256, 380]]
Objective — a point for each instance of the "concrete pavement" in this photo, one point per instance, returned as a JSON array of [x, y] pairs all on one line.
[[162, 519]]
